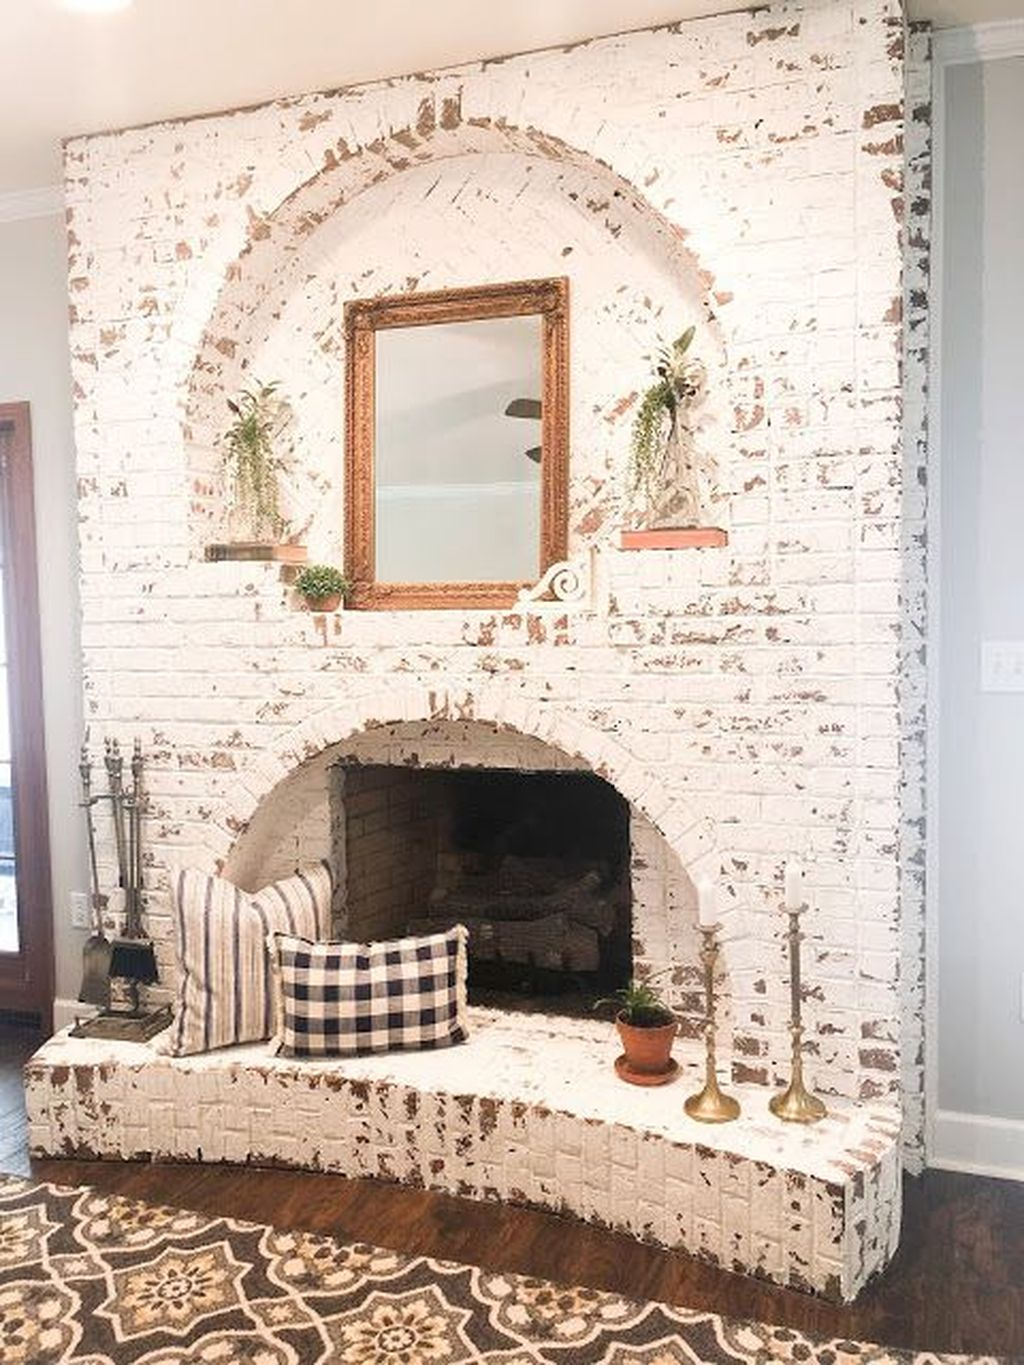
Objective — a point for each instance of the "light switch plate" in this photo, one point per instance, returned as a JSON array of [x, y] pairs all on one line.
[[1002, 666], [79, 909]]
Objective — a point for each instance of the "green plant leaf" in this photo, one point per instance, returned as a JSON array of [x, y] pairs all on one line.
[[639, 1003], [317, 581], [683, 344], [250, 455]]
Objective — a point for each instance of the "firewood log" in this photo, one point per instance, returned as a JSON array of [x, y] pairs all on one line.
[[582, 902], [555, 942]]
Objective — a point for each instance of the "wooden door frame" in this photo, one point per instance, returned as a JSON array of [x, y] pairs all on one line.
[[26, 977]]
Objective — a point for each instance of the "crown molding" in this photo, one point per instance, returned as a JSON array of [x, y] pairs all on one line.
[[45, 202], [978, 42]]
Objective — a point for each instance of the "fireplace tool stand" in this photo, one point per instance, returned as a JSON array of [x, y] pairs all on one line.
[[96, 950], [132, 958]]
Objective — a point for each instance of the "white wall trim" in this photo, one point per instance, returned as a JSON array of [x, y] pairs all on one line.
[[979, 43], [979, 1144], [953, 1141], [45, 202], [65, 1012], [934, 591]]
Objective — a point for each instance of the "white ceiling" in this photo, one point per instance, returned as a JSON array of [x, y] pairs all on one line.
[[67, 72]]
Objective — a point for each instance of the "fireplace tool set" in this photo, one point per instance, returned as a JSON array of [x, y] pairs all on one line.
[[130, 959]]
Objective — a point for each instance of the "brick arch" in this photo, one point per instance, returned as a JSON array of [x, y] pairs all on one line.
[[297, 762], [278, 235], [230, 290]]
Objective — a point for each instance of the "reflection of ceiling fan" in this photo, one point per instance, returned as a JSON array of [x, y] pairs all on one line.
[[527, 407]]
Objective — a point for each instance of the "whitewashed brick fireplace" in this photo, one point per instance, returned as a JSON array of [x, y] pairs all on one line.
[[743, 172]]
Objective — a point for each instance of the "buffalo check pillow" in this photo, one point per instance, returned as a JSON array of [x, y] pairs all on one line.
[[224, 988], [343, 999]]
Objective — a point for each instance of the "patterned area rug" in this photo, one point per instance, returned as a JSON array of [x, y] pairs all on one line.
[[93, 1279]]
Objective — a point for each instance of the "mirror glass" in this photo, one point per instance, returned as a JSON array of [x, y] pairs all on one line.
[[458, 451]]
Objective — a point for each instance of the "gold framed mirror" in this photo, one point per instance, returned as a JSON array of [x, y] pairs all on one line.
[[456, 444]]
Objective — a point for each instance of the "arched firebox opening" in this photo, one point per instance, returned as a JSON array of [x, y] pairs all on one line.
[[567, 885]]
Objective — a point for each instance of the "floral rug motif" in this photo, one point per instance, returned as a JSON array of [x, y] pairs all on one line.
[[93, 1279]]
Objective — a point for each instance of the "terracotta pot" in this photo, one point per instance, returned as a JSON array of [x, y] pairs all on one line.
[[647, 1049], [329, 603]]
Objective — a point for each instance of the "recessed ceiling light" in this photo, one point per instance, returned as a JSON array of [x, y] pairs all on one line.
[[95, 6]]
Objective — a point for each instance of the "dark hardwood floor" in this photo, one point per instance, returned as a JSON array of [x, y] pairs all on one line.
[[957, 1283]]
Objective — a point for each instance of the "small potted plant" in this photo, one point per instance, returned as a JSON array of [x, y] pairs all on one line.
[[322, 587], [259, 416], [647, 1028]]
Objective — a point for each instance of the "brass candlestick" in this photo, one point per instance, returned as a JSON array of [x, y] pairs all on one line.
[[710, 1105], [796, 1104]]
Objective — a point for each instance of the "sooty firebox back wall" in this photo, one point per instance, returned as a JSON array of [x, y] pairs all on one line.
[[536, 864]]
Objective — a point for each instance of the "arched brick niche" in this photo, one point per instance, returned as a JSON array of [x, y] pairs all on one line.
[[439, 206]]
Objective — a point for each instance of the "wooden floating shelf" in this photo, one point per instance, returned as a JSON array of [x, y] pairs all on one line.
[[685, 538], [257, 550]]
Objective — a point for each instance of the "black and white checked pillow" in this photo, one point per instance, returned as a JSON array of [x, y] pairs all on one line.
[[343, 999], [220, 933]]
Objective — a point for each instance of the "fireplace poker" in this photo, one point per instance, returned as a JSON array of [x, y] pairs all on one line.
[[115, 766], [133, 921]]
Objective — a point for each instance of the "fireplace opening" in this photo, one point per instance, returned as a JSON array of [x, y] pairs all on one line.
[[536, 865]]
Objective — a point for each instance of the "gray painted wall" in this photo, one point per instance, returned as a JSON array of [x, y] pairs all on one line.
[[34, 367], [981, 827]]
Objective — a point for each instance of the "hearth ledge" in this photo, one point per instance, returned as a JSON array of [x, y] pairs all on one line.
[[528, 1111]]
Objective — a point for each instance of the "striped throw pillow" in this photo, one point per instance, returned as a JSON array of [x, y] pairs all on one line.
[[343, 999], [224, 993]]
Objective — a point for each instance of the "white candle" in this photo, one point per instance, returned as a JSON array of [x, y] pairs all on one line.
[[707, 912], [794, 898]]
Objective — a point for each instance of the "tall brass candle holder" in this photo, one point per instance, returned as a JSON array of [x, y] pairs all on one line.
[[710, 1105], [796, 1104]]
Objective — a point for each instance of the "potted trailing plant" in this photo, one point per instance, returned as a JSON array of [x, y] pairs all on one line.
[[323, 587], [662, 463], [647, 1027], [259, 416]]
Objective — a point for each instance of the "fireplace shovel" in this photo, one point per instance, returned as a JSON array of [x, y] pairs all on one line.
[[96, 950]]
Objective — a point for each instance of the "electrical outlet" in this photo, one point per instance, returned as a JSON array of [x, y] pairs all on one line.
[[80, 910], [1002, 666]]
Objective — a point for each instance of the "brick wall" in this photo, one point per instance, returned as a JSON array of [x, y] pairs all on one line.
[[742, 172], [390, 854]]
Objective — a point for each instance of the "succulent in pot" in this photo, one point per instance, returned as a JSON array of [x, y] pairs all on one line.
[[322, 586], [646, 1026]]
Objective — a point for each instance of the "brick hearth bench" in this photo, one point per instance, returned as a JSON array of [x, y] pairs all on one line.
[[529, 1112]]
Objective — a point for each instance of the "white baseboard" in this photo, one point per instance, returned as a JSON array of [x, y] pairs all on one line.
[[65, 1012], [978, 1144]]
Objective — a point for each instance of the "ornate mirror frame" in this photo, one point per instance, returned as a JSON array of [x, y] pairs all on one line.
[[363, 319]]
